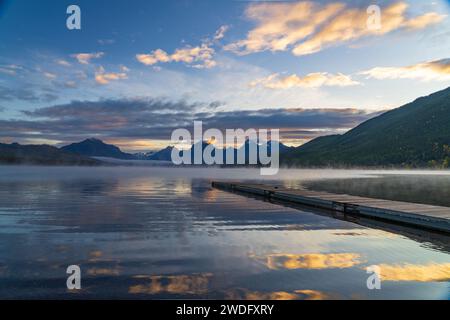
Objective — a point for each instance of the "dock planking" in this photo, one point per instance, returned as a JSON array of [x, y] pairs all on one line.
[[413, 214]]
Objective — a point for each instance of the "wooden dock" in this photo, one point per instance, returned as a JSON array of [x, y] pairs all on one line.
[[412, 214]]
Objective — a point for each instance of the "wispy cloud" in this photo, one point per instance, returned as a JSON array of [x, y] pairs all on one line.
[[220, 33], [7, 71], [63, 62], [124, 68], [311, 80], [50, 75], [85, 58], [307, 27], [10, 69], [438, 70], [28, 93]]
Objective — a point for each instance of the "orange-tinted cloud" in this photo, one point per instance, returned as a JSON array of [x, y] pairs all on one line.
[[198, 57], [307, 27], [102, 77], [432, 70], [311, 80], [85, 58]]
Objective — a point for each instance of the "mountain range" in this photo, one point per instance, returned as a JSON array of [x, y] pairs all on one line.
[[166, 154], [41, 155], [414, 135], [96, 148]]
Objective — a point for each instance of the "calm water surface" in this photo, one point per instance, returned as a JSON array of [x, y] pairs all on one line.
[[147, 233]]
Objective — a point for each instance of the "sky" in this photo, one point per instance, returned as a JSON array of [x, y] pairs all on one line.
[[137, 69]]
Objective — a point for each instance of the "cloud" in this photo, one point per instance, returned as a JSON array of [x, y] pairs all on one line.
[[85, 58], [124, 68], [151, 118], [102, 77], [197, 57], [105, 78], [287, 119], [49, 75], [220, 33], [438, 70], [152, 58], [200, 57], [7, 71], [202, 54], [307, 27], [63, 62], [424, 21], [27, 93], [131, 107], [311, 80], [11, 69]]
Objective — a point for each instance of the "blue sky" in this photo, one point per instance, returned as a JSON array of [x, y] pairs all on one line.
[[138, 69]]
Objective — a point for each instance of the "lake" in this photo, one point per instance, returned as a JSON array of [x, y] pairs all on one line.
[[161, 232]]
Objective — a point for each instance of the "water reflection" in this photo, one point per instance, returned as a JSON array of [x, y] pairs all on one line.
[[413, 272], [176, 284], [103, 272], [313, 261], [152, 233], [243, 294]]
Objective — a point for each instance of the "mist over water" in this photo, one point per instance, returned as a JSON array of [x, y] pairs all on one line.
[[149, 232], [425, 188]]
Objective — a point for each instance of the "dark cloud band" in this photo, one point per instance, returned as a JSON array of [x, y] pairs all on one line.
[[147, 118]]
